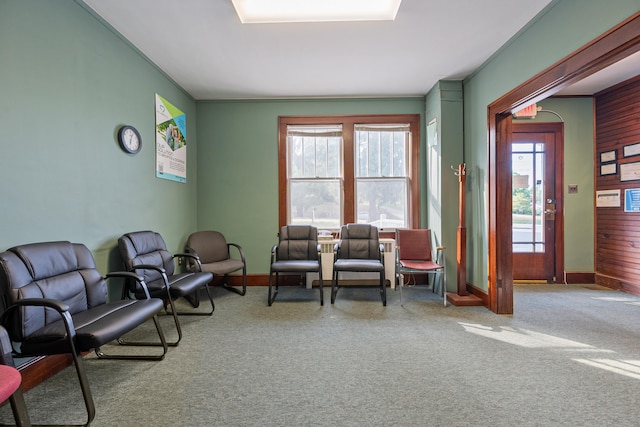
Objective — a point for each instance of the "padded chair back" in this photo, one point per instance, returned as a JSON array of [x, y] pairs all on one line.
[[58, 270], [211, 246], [359, 241], [146, 247], [298, 242], [414, 244]]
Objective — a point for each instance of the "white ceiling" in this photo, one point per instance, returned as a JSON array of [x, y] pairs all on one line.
[[202, 45]]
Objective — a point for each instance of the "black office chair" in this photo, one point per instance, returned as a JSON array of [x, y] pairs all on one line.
[[297, 252], [55, 302], [359, 250], [145, 253]]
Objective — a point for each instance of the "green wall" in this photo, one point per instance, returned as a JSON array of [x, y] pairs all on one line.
[[444, 122], [238, 163], [561, 29], [67, 82]]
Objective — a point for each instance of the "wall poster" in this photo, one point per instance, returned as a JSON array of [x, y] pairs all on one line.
[[171, 141]]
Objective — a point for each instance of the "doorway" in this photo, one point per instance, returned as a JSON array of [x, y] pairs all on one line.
[[614, 45], [537, 201]]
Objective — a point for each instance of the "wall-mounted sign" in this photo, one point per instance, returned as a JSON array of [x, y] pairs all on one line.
[[631, 150], [632, 200], [609, 169], [608, 156], [171, 141], [629, 171], [608, 199]]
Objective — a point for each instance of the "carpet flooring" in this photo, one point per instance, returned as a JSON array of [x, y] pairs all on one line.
[[567, 357]]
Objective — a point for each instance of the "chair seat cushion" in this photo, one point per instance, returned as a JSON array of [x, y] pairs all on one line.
[[94, 327], [223, 267], [180, 284], [295, 266], [420, 265], [351, 264], [10, 380]]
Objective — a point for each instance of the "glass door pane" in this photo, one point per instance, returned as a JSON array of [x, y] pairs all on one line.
[[527, 162]]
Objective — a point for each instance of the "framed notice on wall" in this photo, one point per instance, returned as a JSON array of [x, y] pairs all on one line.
[[632, 200], [631, 150], [171, 141], [608, 198], [629, 171]]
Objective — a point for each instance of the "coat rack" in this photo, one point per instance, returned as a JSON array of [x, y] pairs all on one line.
[[462, 296], [461, 173]]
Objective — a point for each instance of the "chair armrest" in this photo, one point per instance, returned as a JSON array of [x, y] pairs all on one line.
[[127, 274], [160, 270], [59, 306], [149, 267], [274, 250], [239, 249], [193, 256], [440, 254]]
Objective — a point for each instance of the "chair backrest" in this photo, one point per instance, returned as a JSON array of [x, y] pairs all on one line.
[[63, 271], [297, 242], [359, 241], [146, 247], [211, 246], [414, 244]]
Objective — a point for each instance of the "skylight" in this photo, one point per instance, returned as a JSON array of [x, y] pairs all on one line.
[[271, 11]]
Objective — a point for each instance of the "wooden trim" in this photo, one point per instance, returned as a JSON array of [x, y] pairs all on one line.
[[617, 284], [348, 122], [39, 369], [558, 129], [619, 42], [577, 277]]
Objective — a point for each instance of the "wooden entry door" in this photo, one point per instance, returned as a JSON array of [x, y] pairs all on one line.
[[536, 199]]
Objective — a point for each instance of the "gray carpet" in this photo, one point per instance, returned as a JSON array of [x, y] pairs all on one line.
[[567, 357]]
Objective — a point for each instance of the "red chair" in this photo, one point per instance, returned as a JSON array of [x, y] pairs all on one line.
[[414, 255], [10, 381]]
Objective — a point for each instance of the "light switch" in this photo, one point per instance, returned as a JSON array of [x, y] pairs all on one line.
[[573, 188]]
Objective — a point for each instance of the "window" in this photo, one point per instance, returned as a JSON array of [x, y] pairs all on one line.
[[335, 170]]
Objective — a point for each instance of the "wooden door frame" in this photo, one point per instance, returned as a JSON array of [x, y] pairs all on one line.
[[557, 128], [616, 44]]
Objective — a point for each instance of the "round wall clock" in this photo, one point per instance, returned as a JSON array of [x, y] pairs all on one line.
[[129, 139]]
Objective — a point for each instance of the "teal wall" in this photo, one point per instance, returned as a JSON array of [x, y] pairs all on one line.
[[564, 27], [67, 82], [444, 122], [579, 214], [238, 163]]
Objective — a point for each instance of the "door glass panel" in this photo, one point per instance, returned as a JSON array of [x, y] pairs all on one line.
[[527, 163]]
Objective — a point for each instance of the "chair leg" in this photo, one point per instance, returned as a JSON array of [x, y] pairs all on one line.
[[122, 341], [197, 313], [19, 409], [176, 321], [228, 287], [321, 286], [383, 289], [334, 286], [272, 292]]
